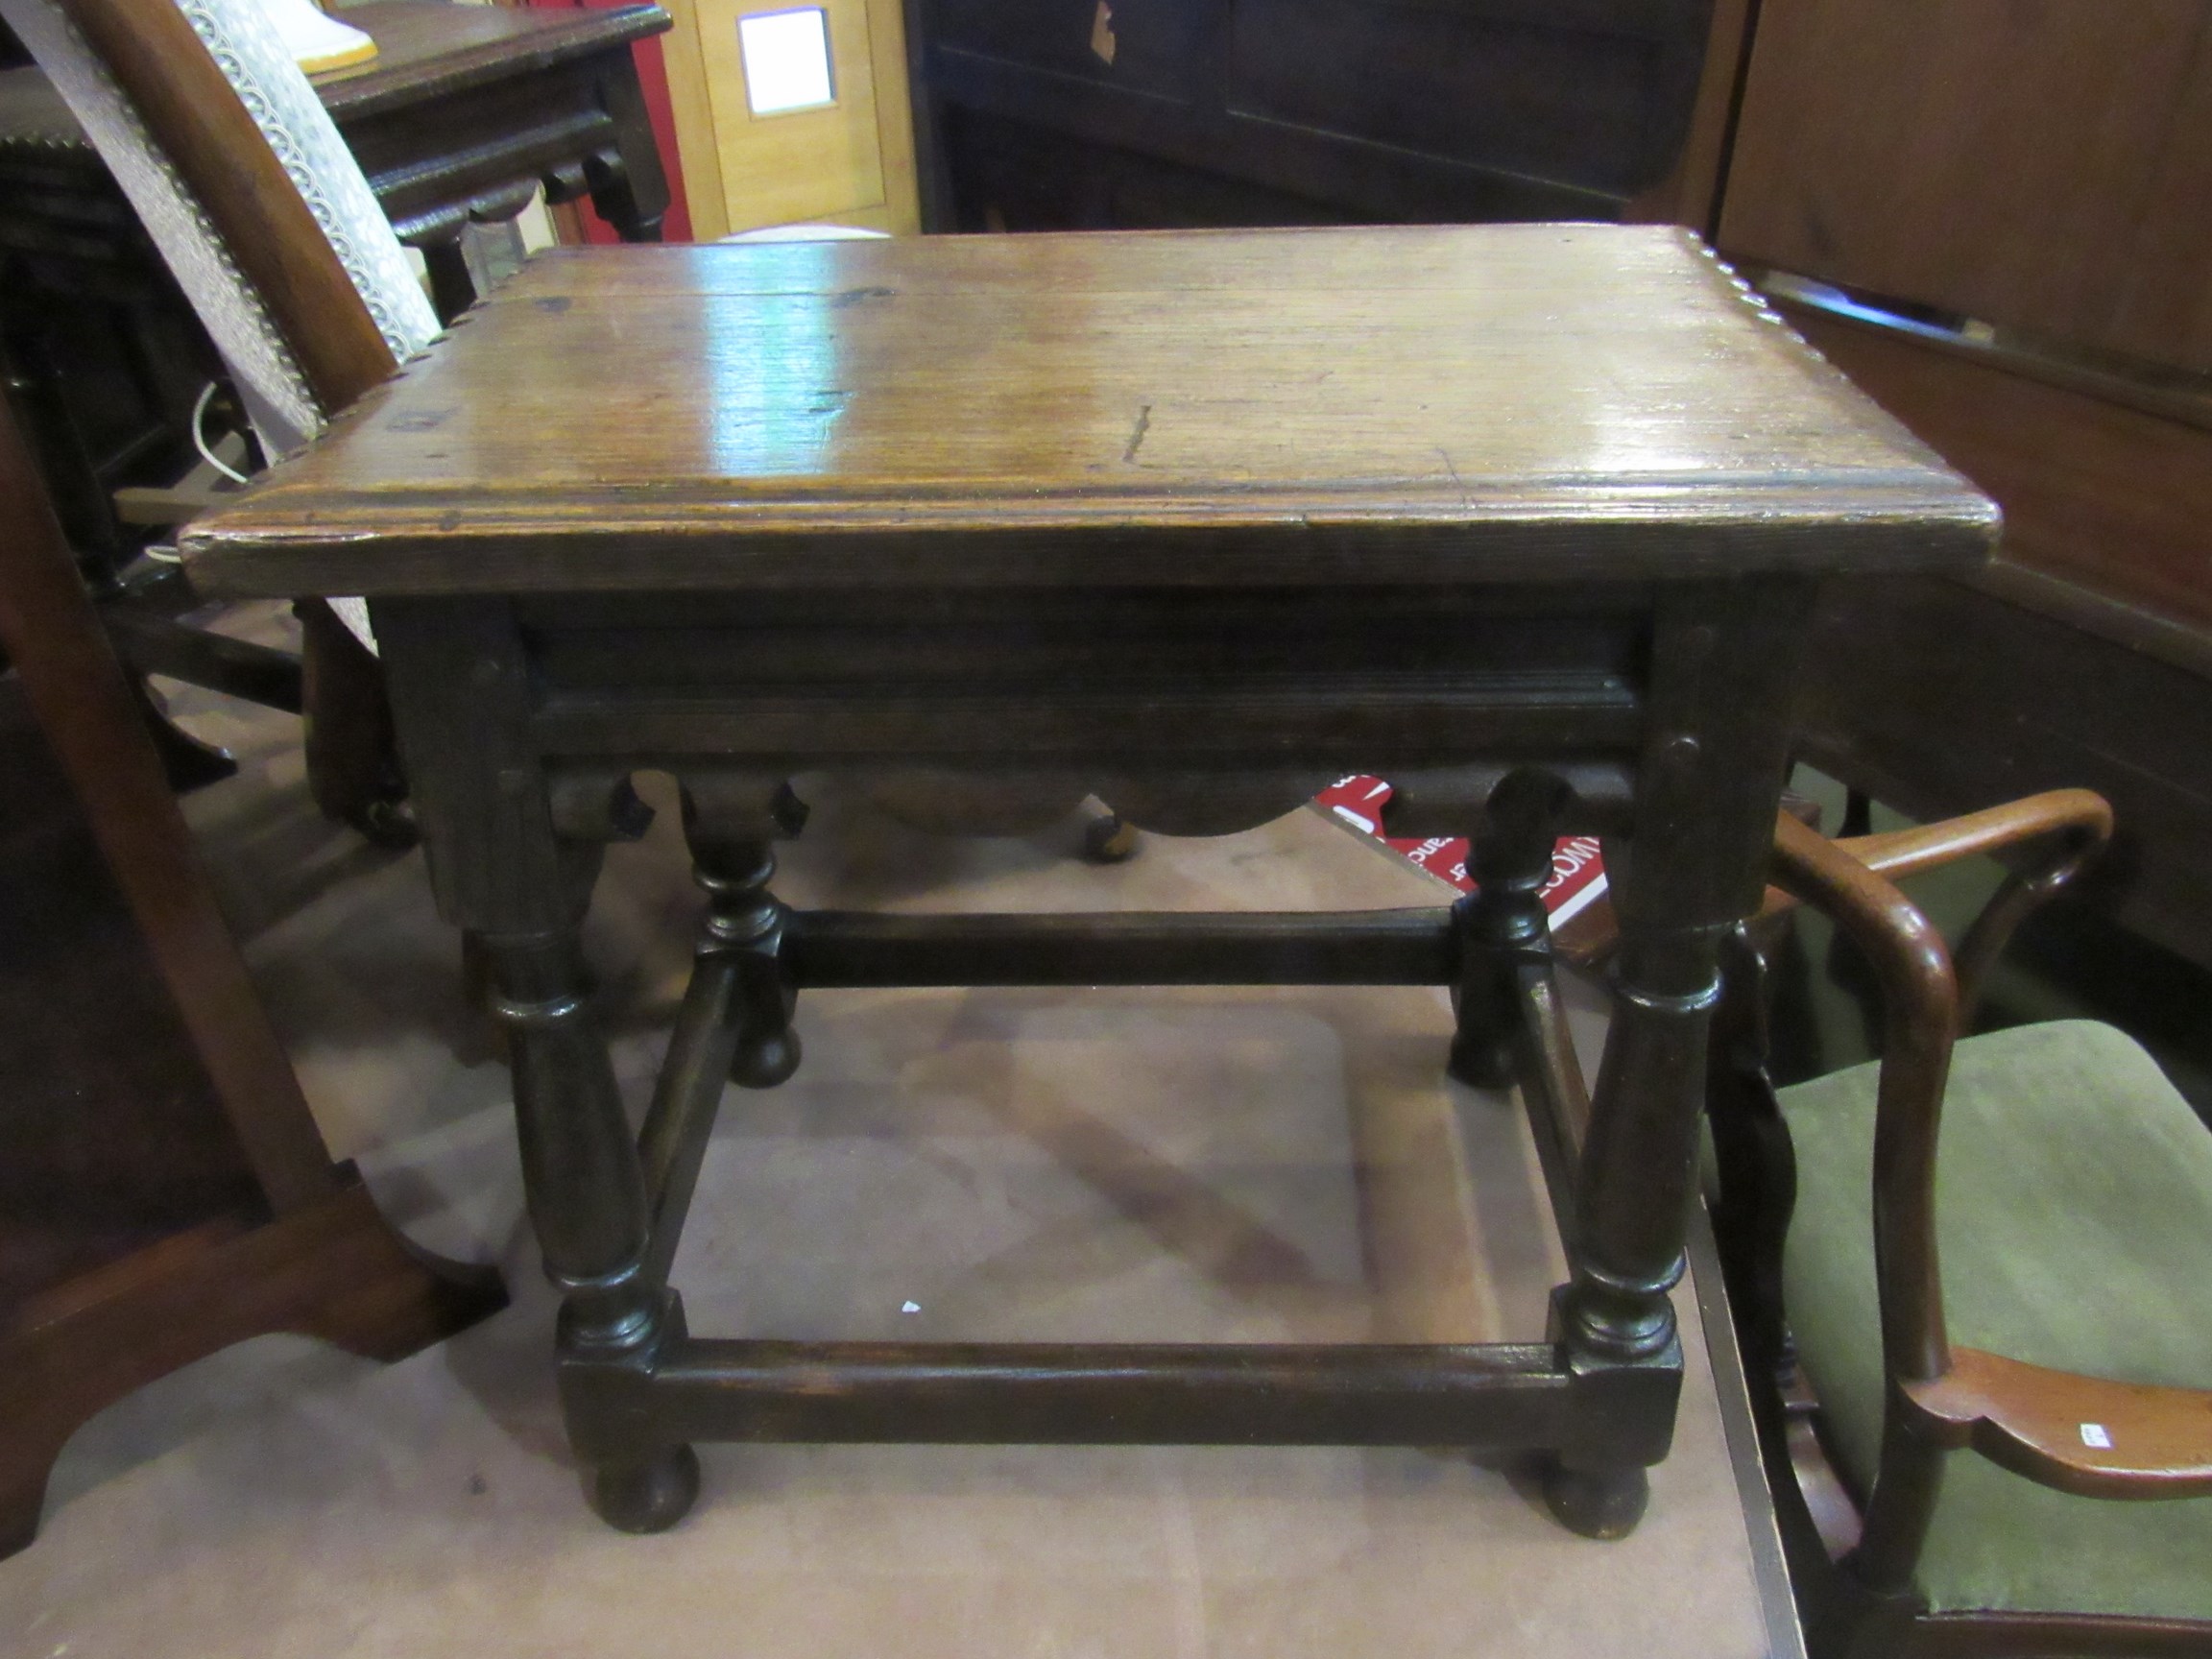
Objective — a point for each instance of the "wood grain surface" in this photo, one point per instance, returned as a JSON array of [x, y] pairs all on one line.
[[424, 47], [2088, 1436], [2040, 167], [2095, 492], [1509, 402]]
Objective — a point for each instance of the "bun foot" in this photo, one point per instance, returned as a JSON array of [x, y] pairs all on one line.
[[1480, 1063], [648, 1497], [1596, 1504], [764, 1063]]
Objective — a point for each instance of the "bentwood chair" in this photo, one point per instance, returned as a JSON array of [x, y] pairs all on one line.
[[1999, 1338]]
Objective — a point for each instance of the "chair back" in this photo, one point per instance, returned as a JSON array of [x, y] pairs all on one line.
[[249, 191]]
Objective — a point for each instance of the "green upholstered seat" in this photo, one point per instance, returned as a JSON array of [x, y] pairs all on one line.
[[2073, 1214]]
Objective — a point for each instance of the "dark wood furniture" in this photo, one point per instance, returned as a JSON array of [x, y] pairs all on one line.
[[2056, 1239], [2040, 168], [463, 114], [1528, 519], [2006, 203], [559, 95], [2083, 658], [170, 1194], [1073, 114], [102, 356], [466, 110]]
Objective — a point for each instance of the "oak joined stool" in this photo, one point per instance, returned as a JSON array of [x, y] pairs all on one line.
[[1528, 519]]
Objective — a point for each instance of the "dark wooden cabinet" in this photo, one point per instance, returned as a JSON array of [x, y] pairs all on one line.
[[1133, 113]]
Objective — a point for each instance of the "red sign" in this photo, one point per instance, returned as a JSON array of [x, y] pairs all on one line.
[[1577, 872]]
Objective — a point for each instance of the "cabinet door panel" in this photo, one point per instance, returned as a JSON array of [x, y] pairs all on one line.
[[2036, 163]]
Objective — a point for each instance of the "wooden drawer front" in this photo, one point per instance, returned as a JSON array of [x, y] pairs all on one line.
[[1401, 676]]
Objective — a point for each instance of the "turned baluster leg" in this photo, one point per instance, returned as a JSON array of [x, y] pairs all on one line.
[[586, 1200], [1615, 1318], [515, 870], [746, 925], [728, 822], [1708, 783], [1503, 924]]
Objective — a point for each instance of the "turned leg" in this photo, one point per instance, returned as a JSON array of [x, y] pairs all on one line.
[[586, 1192], [1623, 1225], [727, 824], [1501, 925], [1615, 1318], [1709, 779], [512, 853], [746, 925]]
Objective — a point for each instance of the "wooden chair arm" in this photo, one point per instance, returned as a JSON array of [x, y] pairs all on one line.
[[1922, 999], [1920, 1017], [2078, 813], [2082, 1435], [2080, 816], [2079, 822]]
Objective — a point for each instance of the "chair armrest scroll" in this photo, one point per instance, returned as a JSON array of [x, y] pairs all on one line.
[[2079, 822], [2086, 1435]]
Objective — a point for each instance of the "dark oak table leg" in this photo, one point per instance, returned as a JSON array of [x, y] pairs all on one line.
[[1502, 923], [1715, 753], [585, 1191], [519, 890]]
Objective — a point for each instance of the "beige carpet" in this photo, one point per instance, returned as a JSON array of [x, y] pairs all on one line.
[[1247, 1164]]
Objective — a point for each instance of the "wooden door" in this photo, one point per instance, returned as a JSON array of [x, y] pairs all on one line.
[[793, 112]]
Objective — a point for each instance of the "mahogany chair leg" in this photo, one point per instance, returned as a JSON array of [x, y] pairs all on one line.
[[312, 1255], [334, 1269]]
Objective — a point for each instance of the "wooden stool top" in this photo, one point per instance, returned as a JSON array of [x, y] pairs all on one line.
[[1526, 403]]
